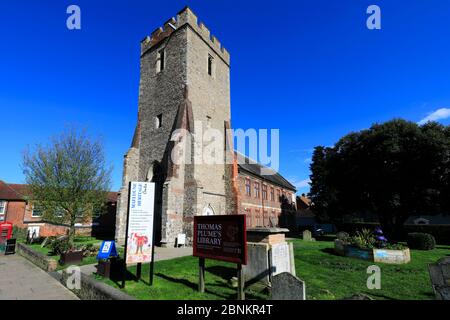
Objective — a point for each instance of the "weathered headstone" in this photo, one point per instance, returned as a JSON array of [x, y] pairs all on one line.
[[307, 235], [280, 258], [440, 278], [257, 268], [286, 286]]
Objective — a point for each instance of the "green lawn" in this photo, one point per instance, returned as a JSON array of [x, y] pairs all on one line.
[[327, 276], [177, 279]]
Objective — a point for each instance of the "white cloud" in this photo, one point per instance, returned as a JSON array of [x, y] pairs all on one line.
[[307, 160], [440, 114], [300, 184]]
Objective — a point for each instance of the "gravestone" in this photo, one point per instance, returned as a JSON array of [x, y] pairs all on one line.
[[440, 278], [280, 258], [307, 235], [268, 255], [257, 268], [286, 286]]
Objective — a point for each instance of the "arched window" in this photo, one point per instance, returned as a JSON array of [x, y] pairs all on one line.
[[208, 210]]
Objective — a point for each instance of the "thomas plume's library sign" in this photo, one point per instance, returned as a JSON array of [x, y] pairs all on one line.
[[221, 238]]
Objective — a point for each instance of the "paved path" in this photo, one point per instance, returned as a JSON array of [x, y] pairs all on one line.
[[160, 254], [22, 280]]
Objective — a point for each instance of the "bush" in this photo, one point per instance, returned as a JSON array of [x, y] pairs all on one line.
[[421, 241], [60, 246], [19, 233], [364, 239]]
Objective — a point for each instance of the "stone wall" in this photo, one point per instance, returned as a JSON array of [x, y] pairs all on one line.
[[45, 263], [186, 190]]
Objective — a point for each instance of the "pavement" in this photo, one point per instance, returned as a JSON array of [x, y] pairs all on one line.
[[160, 254], [22, 280]]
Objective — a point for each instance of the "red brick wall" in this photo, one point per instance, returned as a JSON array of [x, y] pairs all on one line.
[[15, 212], [257, 209], [19, 213]]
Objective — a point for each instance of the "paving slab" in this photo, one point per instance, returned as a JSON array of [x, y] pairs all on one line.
[[22, 280]]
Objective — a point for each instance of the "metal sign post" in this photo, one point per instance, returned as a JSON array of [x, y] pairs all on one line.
[[221, 238]]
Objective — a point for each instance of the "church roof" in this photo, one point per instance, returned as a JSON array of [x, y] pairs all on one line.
[[255, 168]]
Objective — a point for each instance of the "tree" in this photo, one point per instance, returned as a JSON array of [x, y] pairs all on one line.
[[392, 170], [68, 179]]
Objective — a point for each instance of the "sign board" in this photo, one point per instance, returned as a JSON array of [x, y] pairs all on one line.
[[181, 239], [221, 238], [10, 246], [107, 250], [140, 222]]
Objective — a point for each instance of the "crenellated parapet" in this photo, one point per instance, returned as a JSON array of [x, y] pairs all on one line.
[[185, 17]]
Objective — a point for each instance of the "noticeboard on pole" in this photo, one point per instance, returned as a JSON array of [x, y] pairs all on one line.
[[221, 238], [140, 222]]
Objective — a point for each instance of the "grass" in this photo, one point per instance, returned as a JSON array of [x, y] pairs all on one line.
[[177, 279], [327, 277], [330, 277]]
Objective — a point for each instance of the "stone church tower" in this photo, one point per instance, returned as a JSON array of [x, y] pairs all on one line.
[[185, 80]]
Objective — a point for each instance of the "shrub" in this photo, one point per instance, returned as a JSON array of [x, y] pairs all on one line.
[[19, 233], [60, 246], [421, 241], [364, 239]]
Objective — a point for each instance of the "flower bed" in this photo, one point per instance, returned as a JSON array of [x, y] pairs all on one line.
[[371, 246], [376, 255]]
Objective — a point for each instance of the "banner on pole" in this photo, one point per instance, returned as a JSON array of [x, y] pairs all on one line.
[[140, 222]]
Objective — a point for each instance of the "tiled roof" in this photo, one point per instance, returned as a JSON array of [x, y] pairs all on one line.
[[256, 169], [12, 191], [305, 200], [18, 192]]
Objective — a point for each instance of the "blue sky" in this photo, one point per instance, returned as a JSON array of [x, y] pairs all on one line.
[[310, 68]]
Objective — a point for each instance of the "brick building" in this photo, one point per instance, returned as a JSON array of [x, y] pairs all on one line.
[[265, 199], [185, 85], [15, 208]]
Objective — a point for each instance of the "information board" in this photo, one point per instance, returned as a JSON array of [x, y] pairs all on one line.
[[221, 238], [140, 222]]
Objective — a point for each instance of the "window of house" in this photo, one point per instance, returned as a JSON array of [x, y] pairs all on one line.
[[2, 210], [258, 218], [37, 211], [256, 189], [264, 191], [210, 65], [248, 188], [248, 217], [278, 195], [272, 194], [158, 121], [161, 60]]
